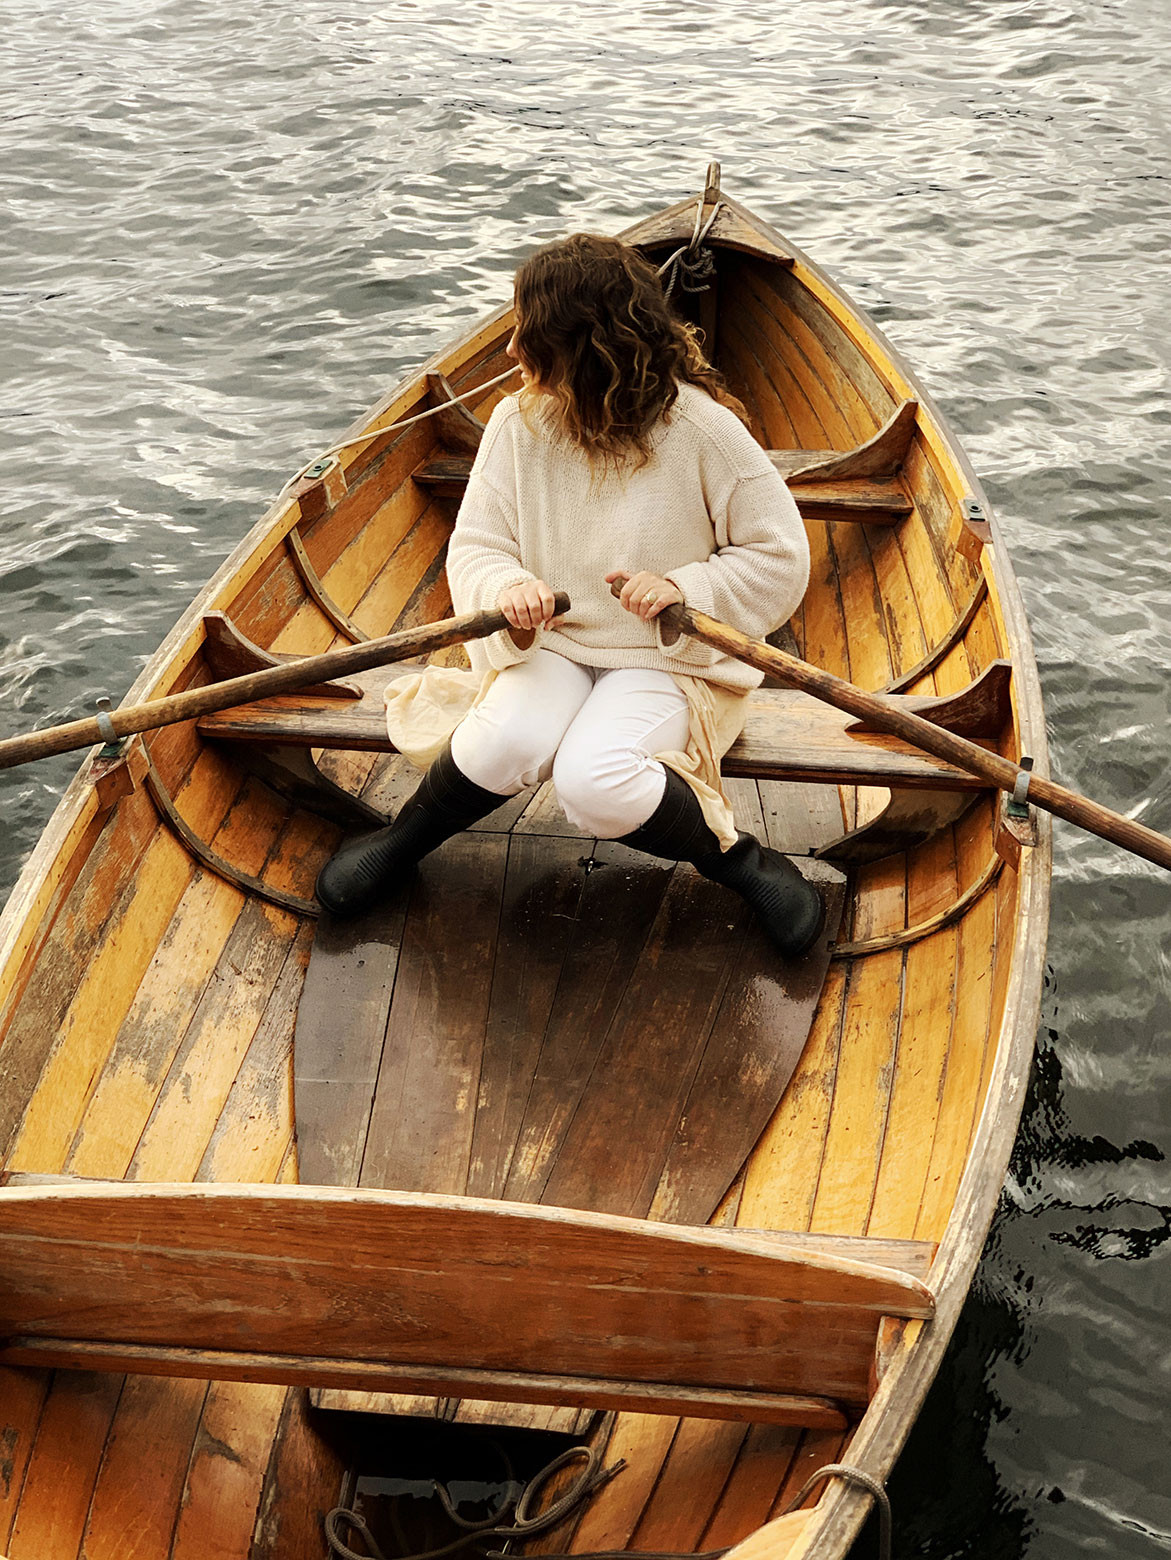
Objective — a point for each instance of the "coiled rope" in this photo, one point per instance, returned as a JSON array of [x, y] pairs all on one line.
[[691, 264], [514, 1518], [525, 1525]]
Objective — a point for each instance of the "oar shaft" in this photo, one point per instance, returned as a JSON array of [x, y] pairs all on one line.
[[884, 715], [286, 678]]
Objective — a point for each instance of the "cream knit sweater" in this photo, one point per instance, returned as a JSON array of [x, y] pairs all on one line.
[[707, 511]]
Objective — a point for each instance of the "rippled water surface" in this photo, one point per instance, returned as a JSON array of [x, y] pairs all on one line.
[[228, 226]]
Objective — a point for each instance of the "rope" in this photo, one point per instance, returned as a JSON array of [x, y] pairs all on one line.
[[524, 1523], [691, 264], [864, 1481], [403, 422]]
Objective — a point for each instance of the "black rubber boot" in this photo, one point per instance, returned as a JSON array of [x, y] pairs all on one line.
[[787, 904], [366, 869]]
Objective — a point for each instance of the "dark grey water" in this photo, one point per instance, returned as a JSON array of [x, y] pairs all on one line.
[[228, 226]]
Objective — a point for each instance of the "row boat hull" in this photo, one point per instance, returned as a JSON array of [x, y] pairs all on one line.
[[148, 1005]]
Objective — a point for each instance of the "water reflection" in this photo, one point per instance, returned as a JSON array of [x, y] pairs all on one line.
[[228, 229]]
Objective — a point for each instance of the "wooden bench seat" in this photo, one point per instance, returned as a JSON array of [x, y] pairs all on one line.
[[860, 484], [787, 736], [879, 502], [462, 1296]]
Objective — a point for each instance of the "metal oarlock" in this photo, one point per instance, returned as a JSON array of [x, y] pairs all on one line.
[[1018, 803], [105, 724]]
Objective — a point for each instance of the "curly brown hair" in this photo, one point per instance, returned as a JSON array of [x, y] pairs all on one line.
[[603, 348]]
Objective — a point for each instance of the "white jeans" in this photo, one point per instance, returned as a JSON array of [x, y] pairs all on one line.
[[593, 731]]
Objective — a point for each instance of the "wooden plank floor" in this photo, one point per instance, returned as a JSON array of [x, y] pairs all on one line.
[[546, 1018]]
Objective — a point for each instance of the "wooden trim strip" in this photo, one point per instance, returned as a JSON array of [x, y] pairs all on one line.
[[949, 641], [935, 923], [204, 854], [313, 584], [432, 1380]]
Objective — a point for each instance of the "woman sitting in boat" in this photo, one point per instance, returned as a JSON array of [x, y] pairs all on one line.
[[623, 461]]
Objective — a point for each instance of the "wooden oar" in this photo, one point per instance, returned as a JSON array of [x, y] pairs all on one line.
[[287, 678], [884, 714]]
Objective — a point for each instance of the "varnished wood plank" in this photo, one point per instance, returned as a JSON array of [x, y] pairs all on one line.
[[904, 624], [752, 1051], [771, 391], [175, 1136], [384, 599], [781, 370], [340, 1032], [816, 1448], [621, 897], [928, 1012], [798, 819], [424, 1108], [741, 370], [101, 889], [862, 605], [748, 1495], [221, 1496], [221, 1366], [108, 986], [59, 1481], [144, 1469], [938, 495], [255, 1128], [701, 1458], [819, 352], [747, 812], [786, 734], [203, 1071], [273, 597], [542, 891], [616, 1145], [642, 1441], [1006, 930], [110, 1120], [301, 1486], [965, 1058], [861, 1095], [870, 389], [22, 1400], [781, 1178], [878, 457], [520, 1416]]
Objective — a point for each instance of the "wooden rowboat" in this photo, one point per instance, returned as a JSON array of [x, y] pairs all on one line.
[[573, 1155]]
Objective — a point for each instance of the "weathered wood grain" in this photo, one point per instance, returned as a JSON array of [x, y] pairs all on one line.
[[472, 1285], [143, 1469], [62, 1471], [542, 893], [339, 1039]]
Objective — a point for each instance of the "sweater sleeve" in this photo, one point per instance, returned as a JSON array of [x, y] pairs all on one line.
[[757, 575], [483, 556]]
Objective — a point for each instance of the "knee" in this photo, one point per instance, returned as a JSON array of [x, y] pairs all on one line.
[[505, 754], [609, 795]]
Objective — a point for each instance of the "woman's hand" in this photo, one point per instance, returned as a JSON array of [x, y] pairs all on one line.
[[528, 605], [645, 594]]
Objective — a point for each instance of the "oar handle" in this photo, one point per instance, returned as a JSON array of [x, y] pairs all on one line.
[[883, 714], [286, 678]]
